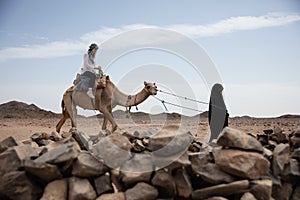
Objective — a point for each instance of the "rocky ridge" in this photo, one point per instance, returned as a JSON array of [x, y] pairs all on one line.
[[140, 165]]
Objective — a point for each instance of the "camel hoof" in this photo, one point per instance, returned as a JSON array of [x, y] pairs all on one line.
[[115, 128]]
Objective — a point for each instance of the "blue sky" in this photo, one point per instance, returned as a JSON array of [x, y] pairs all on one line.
[[254, 45]]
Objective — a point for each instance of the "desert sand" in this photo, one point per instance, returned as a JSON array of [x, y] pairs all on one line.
[[22, 129]]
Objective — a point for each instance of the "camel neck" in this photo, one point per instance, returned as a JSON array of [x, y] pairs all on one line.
[[129, 100]]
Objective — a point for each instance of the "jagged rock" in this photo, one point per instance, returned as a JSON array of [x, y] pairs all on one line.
[[282, 191], [171, 162], [296, 193], [62, 153], [261, 189], [281, 156], [141, 191], [198, 160], [165, 184], [56, 190], [18, 186], [183, 183], [39, 136], [268, 153], [137, 169], [116, 180], [80, 189], [113, 149], [55, 136], [296, 132], [44, 171], [216, 198], [263, 138], [243, 164], [114, 196], [222, 190], [168, 143], [6, 143], [138, 145], [233, 138], [44, 142], [212, 174], [277, 130], [291, 172], [83, 140], [248, 196], [296, 154], [14, 158], [103, 184], [86, 165], [295, 142]]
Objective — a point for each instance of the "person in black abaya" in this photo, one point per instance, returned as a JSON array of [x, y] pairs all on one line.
[[217, 113]]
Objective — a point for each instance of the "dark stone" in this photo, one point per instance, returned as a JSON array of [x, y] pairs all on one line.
[[183, 183], [248, 196], [13, 159], [39, 136], [261, 189], [44, 171], [83, 140], [243, 164], [80, 189], [165, 184], [296, 193], [62, 153], [86, 165], [56, 190], [137, 169], [233, 138], [212, 174], [6, 143], [168, 143], [141, 191], [114, 196], [268, 131], [281, 156], [282, 191], [113, 149], [199, 160], [221, 190], [103, 184], [18, 186]]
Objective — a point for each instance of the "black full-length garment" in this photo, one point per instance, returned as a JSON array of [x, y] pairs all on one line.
[[217, 113]]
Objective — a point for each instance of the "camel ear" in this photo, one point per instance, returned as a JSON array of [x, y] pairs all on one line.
[[107, 78], [145, 83]]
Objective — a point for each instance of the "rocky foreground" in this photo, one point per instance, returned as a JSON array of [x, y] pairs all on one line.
[[142, 166]]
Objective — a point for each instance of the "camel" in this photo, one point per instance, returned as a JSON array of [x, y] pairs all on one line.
[[107, 96]]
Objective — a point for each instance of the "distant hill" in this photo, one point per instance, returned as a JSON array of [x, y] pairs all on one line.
[[287, 116], [20, 110]]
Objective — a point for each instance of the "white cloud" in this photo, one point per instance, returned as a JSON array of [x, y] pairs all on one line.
[[66, 48]]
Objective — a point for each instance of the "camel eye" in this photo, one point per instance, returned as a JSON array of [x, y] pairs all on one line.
[[148, 87]]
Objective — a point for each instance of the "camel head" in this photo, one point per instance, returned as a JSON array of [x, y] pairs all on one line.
[[151, 88]]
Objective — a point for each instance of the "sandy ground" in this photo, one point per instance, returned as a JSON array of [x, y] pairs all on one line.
[[22, 129]]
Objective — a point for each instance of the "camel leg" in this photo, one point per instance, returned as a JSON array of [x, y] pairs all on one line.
[[61, 122], [70, 109], [109, 117], [104, 124], [64, 117]]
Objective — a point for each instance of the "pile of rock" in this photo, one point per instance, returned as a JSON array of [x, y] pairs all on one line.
[[145, 166]]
